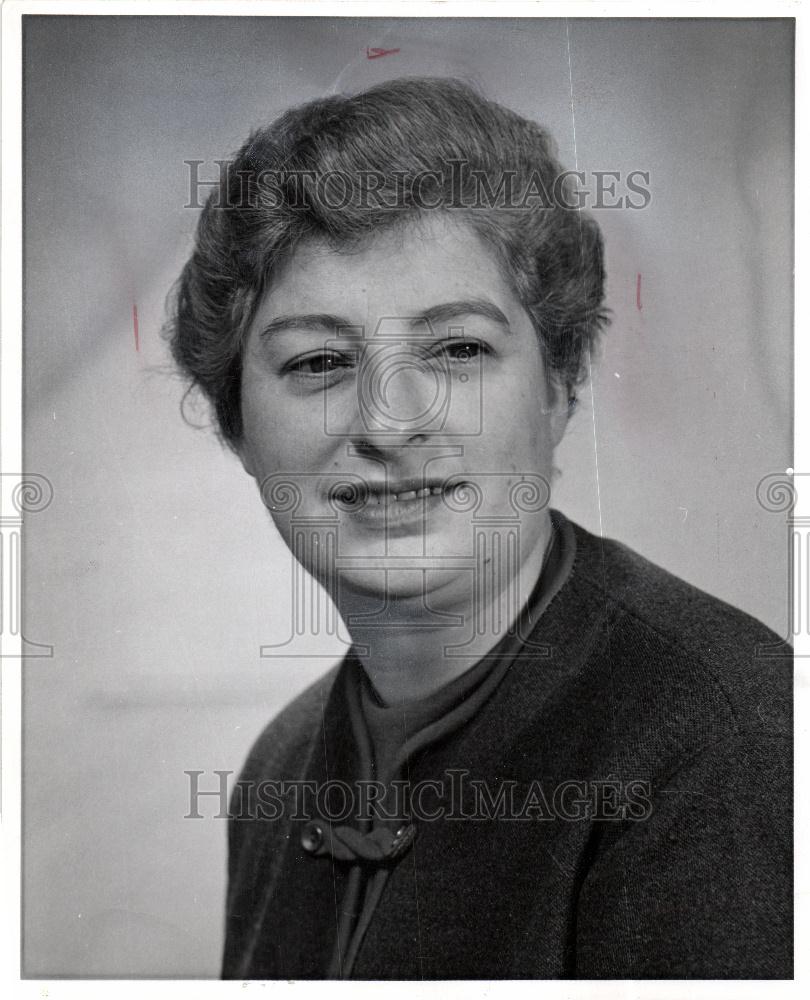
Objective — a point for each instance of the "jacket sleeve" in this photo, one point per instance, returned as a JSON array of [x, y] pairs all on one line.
[[703, 887], [256, 840]]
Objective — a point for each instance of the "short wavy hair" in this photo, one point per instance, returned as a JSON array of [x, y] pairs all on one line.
[[428, 144]]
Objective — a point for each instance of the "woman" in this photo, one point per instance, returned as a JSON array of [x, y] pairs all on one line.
[[543, 756]]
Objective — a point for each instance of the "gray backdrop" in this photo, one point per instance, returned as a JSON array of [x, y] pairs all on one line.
[[155, 573]]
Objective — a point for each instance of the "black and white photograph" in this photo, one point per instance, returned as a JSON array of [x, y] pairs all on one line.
[[403, 565]]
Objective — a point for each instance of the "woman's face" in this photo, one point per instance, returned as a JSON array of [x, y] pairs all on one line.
[[407, 368]]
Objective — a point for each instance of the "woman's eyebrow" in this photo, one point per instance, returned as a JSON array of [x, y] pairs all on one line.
[[442, 313], [316, 322], [435, 316]]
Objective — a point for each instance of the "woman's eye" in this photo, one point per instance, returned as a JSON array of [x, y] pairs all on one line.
[[464, 350], [322, 363]]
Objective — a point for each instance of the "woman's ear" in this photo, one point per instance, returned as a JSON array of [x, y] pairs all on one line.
[[562, 403]]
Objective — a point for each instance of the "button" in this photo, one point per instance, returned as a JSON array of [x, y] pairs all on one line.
[[311, 837], [401, 841]]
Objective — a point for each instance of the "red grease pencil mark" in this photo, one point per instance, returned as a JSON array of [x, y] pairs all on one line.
[[135, 325], [377, 53], [638, 292]]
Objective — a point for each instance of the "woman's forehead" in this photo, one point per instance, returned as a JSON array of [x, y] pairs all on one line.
[[400, 271]]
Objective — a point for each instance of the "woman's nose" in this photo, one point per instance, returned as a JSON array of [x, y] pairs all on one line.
[[402, 390]]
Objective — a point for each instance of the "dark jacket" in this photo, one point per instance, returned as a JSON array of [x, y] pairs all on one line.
[[650, 754]]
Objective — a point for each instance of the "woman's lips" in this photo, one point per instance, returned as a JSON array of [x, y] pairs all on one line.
[[398, 508]]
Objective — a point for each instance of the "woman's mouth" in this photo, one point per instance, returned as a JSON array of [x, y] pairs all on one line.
[[404, 505], [403, 496]]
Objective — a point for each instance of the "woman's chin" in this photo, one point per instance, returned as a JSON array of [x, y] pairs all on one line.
[[427, 586]]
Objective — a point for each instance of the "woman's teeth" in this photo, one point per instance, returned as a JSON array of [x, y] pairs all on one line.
[[416, 494]]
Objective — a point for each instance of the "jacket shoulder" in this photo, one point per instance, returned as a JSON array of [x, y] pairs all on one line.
[[674, 636], [288, 734]]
